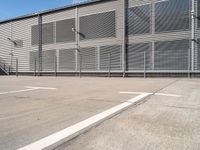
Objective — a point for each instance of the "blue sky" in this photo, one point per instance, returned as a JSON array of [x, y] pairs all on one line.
[[13, 8]]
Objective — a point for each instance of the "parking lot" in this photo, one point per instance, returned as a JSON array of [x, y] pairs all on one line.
[[160, 113]]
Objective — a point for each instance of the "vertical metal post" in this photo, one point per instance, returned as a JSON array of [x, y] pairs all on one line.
[[55, 65], [125, 36], [193, 34], [144, 64], [80, 67], [40, 44], [189, 62], [109, 64], [17, 67], [35, 66]]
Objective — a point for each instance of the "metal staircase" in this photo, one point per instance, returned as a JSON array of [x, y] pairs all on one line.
[[4, 69]]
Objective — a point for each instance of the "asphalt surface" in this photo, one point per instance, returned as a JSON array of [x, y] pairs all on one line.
[[161, 122]]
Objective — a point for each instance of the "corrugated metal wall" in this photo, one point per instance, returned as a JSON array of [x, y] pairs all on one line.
[[159, 38]]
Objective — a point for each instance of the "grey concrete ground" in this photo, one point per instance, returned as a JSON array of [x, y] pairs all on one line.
[[160, 123]]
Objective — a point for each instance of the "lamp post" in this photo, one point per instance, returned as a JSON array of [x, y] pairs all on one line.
[[11, 52], [77, 49]]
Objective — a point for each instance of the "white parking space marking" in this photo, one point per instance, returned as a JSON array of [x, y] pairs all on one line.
[[29, 88], [158, 94], [74, 130]]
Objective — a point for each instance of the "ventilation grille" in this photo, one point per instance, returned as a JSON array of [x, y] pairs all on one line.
[[33, 61], [100, 25], [172, 55], [47, 34], [172, 15], [110, 57], [139, 20], [87, 59], [139, 56], [48, 60], [64, 31], [67, 60]]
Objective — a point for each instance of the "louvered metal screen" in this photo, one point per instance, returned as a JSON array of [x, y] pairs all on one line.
[[48, 60], [172, 15], [64, 31], [87, 59], [139, 19], [67, 60], [47, 34], [110, 58], [33, 61], [100, 25], [139, 56], [172, 55]]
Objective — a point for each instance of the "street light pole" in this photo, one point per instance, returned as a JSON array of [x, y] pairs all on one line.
[[11, 52], [78, 50]]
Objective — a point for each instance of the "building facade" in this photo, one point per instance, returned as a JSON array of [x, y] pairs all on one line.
[[105, 36]]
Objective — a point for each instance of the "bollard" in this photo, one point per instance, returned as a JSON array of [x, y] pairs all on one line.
[[80, 67]]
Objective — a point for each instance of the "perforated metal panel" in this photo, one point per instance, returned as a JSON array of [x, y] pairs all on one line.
[[88, 59], [110, 57], [33, 60], [67, 60], [47, 34], [172, 55], [172, 15], [136, 59], [139, 19], [100, 25], [48, 60], [64, 31]]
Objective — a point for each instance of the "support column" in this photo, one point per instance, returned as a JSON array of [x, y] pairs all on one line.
[[193, 35], [40, 44]]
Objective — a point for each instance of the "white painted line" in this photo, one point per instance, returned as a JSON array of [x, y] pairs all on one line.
[[163, 94], [29, 88], [42, 88], [158, 94], [80, 127], [18, 91]]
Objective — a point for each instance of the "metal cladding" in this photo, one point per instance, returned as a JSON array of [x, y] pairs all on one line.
[[104, 36]]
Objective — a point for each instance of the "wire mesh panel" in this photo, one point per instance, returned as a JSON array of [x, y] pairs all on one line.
[[110, 58], [64, 31], [172, 55], [47, 34], [139, 19], [172, 15], [48, 60], [67, 60], [87, 59], [100, 25], [139, 56]]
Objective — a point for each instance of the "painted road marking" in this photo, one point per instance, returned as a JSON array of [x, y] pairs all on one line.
[[29, 88], [158, 94], [74, 130]]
